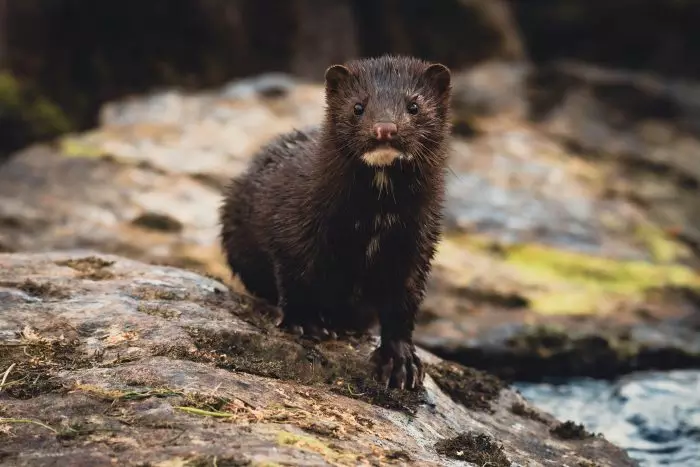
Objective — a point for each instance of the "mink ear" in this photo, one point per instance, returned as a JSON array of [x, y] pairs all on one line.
[[335, 75], [439, 77]]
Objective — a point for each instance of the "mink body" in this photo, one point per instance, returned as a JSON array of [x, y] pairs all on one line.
[[337, 224]]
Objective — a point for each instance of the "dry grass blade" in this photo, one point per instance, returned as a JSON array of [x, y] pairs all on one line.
[[26, 420], [206, 413], [4, 377]]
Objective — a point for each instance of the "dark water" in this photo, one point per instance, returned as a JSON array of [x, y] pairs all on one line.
[[654, 416]]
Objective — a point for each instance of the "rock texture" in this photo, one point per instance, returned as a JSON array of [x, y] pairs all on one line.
[[106, 360], [645, 129], [549, 266]]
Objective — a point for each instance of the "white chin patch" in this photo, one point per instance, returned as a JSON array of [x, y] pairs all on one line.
[[381, 157]]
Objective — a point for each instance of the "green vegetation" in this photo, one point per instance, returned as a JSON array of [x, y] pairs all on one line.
[[557, 281], [35, 116]]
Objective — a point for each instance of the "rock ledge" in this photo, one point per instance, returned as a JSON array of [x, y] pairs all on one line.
[[110, 361]]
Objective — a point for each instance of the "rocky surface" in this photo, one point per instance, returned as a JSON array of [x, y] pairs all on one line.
[[148, 182], [106, 360], [575, 197], [546, 268], [644, 129]]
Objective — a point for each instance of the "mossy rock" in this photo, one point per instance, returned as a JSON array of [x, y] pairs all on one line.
[[567, 282]]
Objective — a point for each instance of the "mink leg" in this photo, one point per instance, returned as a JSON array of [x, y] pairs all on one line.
[[395, 360], [301, 315]]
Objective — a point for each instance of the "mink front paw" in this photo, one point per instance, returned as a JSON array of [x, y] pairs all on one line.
[[397, 365], [307, 329]]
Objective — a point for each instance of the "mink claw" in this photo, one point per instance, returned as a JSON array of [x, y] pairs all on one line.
[[397, 365], [383, 371], [306, 330]]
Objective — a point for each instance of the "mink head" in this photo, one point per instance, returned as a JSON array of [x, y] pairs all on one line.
[[387, 110]]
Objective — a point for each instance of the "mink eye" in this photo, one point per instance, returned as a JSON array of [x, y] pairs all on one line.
[[413, 108], [359, 109]]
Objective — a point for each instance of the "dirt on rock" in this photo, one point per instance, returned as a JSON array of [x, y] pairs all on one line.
[[472, 388], [478, 449], [570, 430], [95, 379]]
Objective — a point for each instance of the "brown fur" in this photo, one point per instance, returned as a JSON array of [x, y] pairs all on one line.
[[337, 241]]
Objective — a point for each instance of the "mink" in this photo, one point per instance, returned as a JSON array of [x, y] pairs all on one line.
[[337, 224]]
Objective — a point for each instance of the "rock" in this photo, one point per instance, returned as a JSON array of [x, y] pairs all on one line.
[[209, 134], [527, 311], [489, 89], [603, 174], [534, 241], [107, 360], [97, 202], [644, 129]]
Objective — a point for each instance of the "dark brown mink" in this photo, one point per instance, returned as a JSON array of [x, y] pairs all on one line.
[[338, 223]]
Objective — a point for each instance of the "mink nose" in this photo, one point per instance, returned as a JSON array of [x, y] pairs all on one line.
[[385, 131]]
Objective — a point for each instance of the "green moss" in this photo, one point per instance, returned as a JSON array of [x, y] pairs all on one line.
[[148, 293], [116, 394], [557, 281], [597, 273], [10, 91], [78, 146], [582, 283], [312, 444], [42, 116], [474, 242], [660, 246]]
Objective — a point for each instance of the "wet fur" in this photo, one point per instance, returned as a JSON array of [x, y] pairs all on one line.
[[337, 243]]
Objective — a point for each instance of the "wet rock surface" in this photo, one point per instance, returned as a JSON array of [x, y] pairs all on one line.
[[548, 267], [106, 360]]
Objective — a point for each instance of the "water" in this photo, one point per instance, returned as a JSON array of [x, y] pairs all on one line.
[[654, 416]]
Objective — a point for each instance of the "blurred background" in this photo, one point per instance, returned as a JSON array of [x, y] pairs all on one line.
[[570, 265]]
